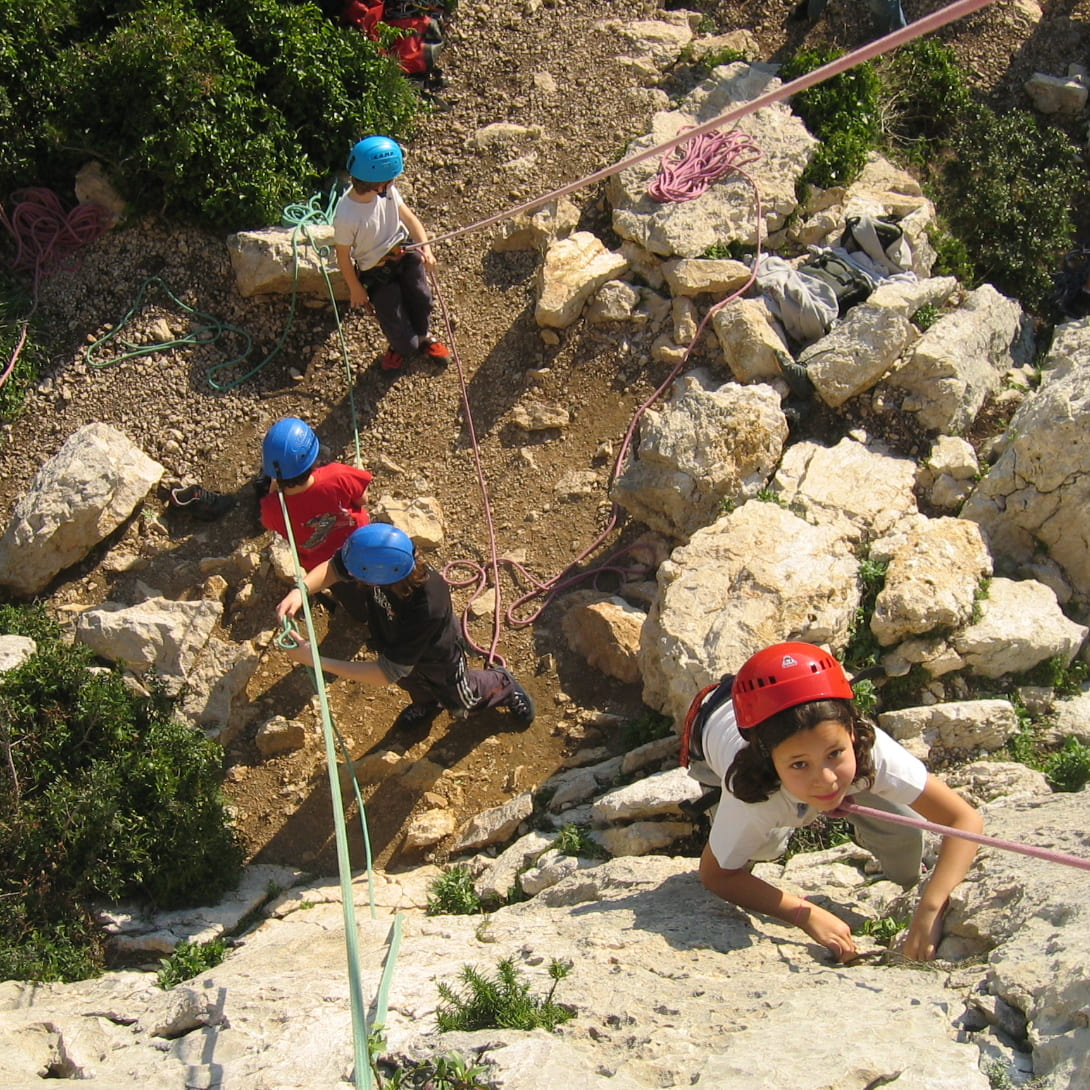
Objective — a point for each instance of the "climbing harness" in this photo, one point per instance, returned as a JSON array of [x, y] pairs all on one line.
[[1049, 854]]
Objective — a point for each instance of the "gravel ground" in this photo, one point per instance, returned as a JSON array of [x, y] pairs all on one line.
[[537, 64]]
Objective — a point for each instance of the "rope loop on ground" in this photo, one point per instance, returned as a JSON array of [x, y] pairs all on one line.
[[688, 170]]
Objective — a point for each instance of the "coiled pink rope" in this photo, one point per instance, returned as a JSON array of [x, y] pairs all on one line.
[[45, 236], [686, 171]]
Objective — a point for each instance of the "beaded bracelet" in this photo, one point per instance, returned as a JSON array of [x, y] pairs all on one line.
[[795, 916]]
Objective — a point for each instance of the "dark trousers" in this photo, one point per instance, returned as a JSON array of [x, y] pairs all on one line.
[[400, 293], [458, 688]]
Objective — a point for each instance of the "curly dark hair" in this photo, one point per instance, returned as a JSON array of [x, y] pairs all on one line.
[[416, 578], [752, 776]]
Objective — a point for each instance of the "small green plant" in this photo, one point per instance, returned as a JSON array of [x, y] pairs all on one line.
[[866, 696], [1007, 189], [1063, 677], [884, 929], [770, 495], [926, 316], [1069, 770], [825, 832], [648, 726], [863, 648], [452, 894], [718, 57], [190, 959], [980, 596], [502, 1002], [574, 840], [450, 1072]]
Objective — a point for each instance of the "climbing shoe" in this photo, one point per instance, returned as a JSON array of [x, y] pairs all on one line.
[[436, 350], [417, 717], [201, 502], [391, 361], [520, 703]]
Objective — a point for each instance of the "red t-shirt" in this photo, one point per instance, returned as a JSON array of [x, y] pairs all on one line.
[[323, 515]]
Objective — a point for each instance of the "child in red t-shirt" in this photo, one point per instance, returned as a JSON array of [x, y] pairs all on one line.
[[325, 503]]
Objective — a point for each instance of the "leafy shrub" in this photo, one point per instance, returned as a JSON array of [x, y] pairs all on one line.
[[649, 726], [825, 832], [216, 109], [923, 92], [884, 929], [1007, 189], [573, 840], [503, 1002], [842, 112], [1069, 770], [452, 894], [103, 795], [863, 649], [925, 317], [190, 959]]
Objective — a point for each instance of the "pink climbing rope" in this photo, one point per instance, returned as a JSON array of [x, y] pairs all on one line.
[[687, 170], [45, 236], [1048, 854]]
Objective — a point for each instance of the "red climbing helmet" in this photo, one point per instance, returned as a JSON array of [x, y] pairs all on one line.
[[783, 675]]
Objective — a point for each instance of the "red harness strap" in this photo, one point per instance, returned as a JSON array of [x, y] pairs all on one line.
[[690, 719]]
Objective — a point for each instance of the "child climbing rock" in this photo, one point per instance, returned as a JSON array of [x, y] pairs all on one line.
[[789, 745]]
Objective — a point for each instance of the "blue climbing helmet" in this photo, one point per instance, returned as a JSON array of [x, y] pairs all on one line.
[[376, 159], [378, 553], [289, 450]]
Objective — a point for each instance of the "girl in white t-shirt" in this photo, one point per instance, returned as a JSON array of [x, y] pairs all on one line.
[[790, 744]]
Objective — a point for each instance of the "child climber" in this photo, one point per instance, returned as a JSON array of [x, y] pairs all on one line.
[[412, 624], [789, 745], [324, 503], [370, 227]]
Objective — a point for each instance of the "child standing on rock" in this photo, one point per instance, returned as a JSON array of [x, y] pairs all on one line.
[[411, 619], [370, 227], [789, 745]]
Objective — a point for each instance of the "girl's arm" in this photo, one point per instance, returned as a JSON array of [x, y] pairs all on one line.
[[756, 895], [942, 805], [418, 234], [318, 578]]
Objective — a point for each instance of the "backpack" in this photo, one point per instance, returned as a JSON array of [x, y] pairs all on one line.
[[418, 50], [850, 284]]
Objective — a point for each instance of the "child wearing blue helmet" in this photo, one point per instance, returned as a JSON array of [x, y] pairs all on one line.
[[325, 503], [411, 619], [370, 227]]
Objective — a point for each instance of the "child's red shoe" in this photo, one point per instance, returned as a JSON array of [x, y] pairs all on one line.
[[437, 350], [392, 361]]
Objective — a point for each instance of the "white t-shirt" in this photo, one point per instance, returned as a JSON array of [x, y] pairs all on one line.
[[370, 228], [740, 828]]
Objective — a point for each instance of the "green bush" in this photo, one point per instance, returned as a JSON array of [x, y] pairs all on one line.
[[923, 92], [1007, 189], [1069, 770], [503, 1002], [452, 894], [190, 959], [842, 112], [215, 109], [103, 795]]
